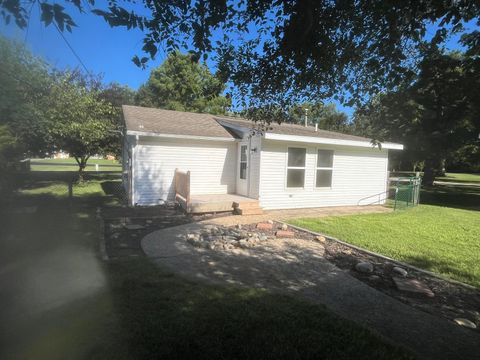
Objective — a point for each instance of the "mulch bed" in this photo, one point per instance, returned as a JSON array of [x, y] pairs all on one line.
[[450, 301]]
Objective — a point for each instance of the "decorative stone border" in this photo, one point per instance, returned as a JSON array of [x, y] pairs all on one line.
[[409, 266]]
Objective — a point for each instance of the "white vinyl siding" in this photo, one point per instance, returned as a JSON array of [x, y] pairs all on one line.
[[357, 173], [212, 166], [254, 171]]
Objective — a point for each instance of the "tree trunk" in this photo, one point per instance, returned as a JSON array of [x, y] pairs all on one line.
[[82, 164], [433, 167]]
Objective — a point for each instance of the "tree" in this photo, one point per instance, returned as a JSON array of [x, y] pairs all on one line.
[[117, 95], [434, 117], [25, 82], [273, 50], [181, 83], [326, 116], [80, 122]]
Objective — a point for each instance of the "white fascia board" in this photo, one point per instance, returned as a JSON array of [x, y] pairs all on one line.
[[319, 140], [174, 136]]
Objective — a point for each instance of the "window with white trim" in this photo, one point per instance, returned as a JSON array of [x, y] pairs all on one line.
[[296, 167], [243, 162], [324, 168]]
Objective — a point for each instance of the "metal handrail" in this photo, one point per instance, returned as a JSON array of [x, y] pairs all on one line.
[[371, 196]]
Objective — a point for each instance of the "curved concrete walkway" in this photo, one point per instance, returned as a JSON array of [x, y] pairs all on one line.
[[297, 267]]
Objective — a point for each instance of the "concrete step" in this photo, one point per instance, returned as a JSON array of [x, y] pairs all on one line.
[[246, 204], [251, 211]]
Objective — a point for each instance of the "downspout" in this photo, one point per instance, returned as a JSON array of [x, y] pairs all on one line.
[[249, 164], [132, 194]]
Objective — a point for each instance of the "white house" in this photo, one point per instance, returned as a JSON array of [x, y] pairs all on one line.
[[287, 166]]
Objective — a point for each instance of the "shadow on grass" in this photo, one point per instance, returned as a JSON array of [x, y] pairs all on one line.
[[447, 268], [165, 316], [455, 196]]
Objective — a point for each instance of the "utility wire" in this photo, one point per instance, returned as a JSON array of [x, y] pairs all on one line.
[[68, 43], [71, 48], [28, 23]]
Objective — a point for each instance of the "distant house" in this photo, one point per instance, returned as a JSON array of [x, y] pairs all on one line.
[[61, 155], [207, 161]]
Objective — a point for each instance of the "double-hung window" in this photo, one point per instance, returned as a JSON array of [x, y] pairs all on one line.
[[296, 167], [324, 168]]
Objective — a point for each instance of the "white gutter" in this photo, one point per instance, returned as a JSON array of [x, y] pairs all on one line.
[[320, 140], [174, 136]]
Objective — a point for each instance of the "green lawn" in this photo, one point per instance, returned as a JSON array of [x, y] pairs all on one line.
[[71, 165], [449, 177], [460, 177], [142, 311], [440, 239]]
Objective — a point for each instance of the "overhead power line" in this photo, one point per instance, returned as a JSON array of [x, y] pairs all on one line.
[[71, 48]]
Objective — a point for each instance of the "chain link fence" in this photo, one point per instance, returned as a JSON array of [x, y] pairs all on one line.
[[402, 193], [406, 191]]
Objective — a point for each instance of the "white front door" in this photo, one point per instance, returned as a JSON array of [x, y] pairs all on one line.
[[242, 169]]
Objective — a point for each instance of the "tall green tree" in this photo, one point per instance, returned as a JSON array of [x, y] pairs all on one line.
[[117, 95], [182, 83], [325, 115], [300, 49], [80, 122], [25, 82], [434, 116]]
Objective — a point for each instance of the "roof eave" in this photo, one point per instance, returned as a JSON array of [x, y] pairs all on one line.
[[329, 141], [177, 136]]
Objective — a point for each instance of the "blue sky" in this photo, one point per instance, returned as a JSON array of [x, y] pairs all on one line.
[[104, 50]]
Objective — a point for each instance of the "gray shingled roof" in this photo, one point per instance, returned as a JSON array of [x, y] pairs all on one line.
[[297, 130], [161, 121], [185, 123]]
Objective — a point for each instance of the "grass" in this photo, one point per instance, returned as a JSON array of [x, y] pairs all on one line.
[[52, 186], [59, 189], [141, 311], [460, 178], [440, 239], [449, 177], [453, 196], [71, 165]]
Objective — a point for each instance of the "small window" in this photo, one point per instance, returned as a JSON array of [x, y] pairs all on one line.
[[324, 168], [296, 167], [243, 162]]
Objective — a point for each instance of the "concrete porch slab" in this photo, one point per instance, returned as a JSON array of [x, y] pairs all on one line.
[[216, 202]]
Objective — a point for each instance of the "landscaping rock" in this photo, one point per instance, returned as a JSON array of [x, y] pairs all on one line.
[[364, 267], [466, 323], [284, 227], [229, 238], [270, 221], [320, 238], [284, 234], [400, 271], [115, 226], [243, 244], [193, 236], [134, 227], [264, 226], [412, 286], [238, 226], [263, 237], [374, 278]]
